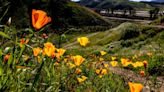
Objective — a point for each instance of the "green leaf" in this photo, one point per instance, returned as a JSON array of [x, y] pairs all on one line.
[[1, 70], [37, 76], [4, 35], [21, 52], [10, 59]]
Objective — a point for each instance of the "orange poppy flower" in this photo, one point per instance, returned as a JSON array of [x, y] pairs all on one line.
[[39, 19], [135, 87], [36, 51], [78, 71], [23, 41]]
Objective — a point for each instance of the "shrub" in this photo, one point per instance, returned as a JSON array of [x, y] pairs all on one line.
[[129, 31], [156, 66]]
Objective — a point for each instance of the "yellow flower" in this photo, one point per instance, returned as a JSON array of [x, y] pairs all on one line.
[[36, 51], [106, 65], [101, 72], [78, 71], [103, 53], [60, 52], [78, 60], [137, 64], [125, 62], [83, 41], [39, 59], [113, 58], [49, 49], [65, 60], [97, 71], [101, 59], [82, 79], [114, 63], [104, 71], [70, 65], [135, 87], [48, 45]]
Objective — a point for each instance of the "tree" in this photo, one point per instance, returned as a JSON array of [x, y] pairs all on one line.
[[154, 13]]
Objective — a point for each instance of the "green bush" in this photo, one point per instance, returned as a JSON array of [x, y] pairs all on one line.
[[130, 31], [156, 66]]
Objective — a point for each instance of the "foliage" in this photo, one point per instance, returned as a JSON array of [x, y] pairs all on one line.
[[114, 4], [21, 70], [158, 21], [31, 60]]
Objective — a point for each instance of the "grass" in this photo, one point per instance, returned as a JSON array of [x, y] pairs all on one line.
[[114, 42], [22, 71]]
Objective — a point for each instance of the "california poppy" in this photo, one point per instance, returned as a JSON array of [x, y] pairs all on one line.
[[78, 60], [23, 41], [83, 41], [101, 72], [125, 62], [103, 53], [78, 71], [137, 64], [135, 87], [49, 49], [82, 79], [114, 63], [36, 51], [60, 52], [39, 18]]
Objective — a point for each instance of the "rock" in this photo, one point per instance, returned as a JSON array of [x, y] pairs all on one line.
[[146, 89], [162, 88]]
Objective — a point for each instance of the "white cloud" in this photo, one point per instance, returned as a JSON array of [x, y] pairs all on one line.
[[140, 0], [75, 0]]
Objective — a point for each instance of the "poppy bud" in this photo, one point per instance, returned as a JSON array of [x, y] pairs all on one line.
[[142, 73], [6, 58], [145, 63]]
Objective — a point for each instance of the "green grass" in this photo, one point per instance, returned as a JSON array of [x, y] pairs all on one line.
[[114, 41], [20, 74], [49, 76]]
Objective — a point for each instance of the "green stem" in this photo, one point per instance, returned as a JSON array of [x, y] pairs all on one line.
[[37, 76], [59, 41], [4, 13]]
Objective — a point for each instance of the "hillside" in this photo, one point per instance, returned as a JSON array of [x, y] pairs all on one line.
[[71, 14], [159, 21], [113, 3], [64, 14], [125, 36]]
